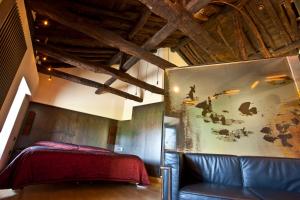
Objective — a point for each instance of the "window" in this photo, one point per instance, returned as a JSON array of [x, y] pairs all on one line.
[[10, 120]]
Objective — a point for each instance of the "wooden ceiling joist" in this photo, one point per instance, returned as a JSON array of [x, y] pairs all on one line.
[[193, 6], [91, 29], [87, 82], [86, 50], [90, 66]]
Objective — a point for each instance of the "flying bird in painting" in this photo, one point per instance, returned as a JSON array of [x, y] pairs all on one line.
[[191, 93], [206, 106], [246, 110]]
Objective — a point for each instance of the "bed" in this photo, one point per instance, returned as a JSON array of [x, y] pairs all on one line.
[[51, 162]]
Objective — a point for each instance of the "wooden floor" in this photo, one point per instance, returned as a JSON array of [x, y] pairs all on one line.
[[94, 191]]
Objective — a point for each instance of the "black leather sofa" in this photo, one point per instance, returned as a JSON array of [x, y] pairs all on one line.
[[210, 177]]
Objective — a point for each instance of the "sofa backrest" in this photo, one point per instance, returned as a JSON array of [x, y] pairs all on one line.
[[211, 168], [271, 173]]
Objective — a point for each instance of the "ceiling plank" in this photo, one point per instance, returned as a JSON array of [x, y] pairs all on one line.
[[240, 37], [87, 65], [287, 49], [247, 19], [91, 28], [88, 82], [146, 13]]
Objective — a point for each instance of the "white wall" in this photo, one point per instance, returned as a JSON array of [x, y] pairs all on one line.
[[73, 96], [152, 75], [27, 69]]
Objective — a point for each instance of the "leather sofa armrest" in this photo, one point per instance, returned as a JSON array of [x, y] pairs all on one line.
[[172, 177]]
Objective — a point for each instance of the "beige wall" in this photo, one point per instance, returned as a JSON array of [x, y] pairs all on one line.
[[27, 69]]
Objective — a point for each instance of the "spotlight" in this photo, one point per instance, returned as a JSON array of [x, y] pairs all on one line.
[[50, 78], [176, 89], [45, 22], [49, 69], [44, 58]]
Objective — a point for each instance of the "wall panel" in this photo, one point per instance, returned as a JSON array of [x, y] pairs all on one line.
[[56, 124], [141, 136]]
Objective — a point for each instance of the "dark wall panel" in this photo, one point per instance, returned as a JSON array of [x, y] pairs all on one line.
[[56, 124], [142, 135]]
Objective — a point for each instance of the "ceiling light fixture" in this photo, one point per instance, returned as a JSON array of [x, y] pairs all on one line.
[[45, 22]]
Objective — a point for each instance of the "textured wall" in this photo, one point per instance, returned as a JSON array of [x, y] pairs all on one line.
[[56, 124], [142, 135]]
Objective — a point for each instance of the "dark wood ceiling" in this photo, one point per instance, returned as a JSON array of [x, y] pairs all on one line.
[[94, 35], [273, 22], [118, 16]]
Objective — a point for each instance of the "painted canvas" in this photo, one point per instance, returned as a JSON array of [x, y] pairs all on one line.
[[245, 108]]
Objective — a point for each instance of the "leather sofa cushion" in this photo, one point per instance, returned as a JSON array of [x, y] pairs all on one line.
[[213, 192], [275, 194], [271, 173], [216, 169], [173, 160]]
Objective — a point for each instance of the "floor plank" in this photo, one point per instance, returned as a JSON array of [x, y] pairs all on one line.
[[93, 191]]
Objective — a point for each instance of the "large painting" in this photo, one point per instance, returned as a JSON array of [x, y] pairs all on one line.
[[245, 108]]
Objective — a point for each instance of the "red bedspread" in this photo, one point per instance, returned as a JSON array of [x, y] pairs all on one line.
[[47, 164]]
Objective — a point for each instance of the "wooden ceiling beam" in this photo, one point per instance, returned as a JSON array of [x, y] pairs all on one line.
[[91, 29], [90, 66], [89, 83], [180, 18], [158, 37], [59, 40], [195, 5], [146, 13], [86, 50]]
